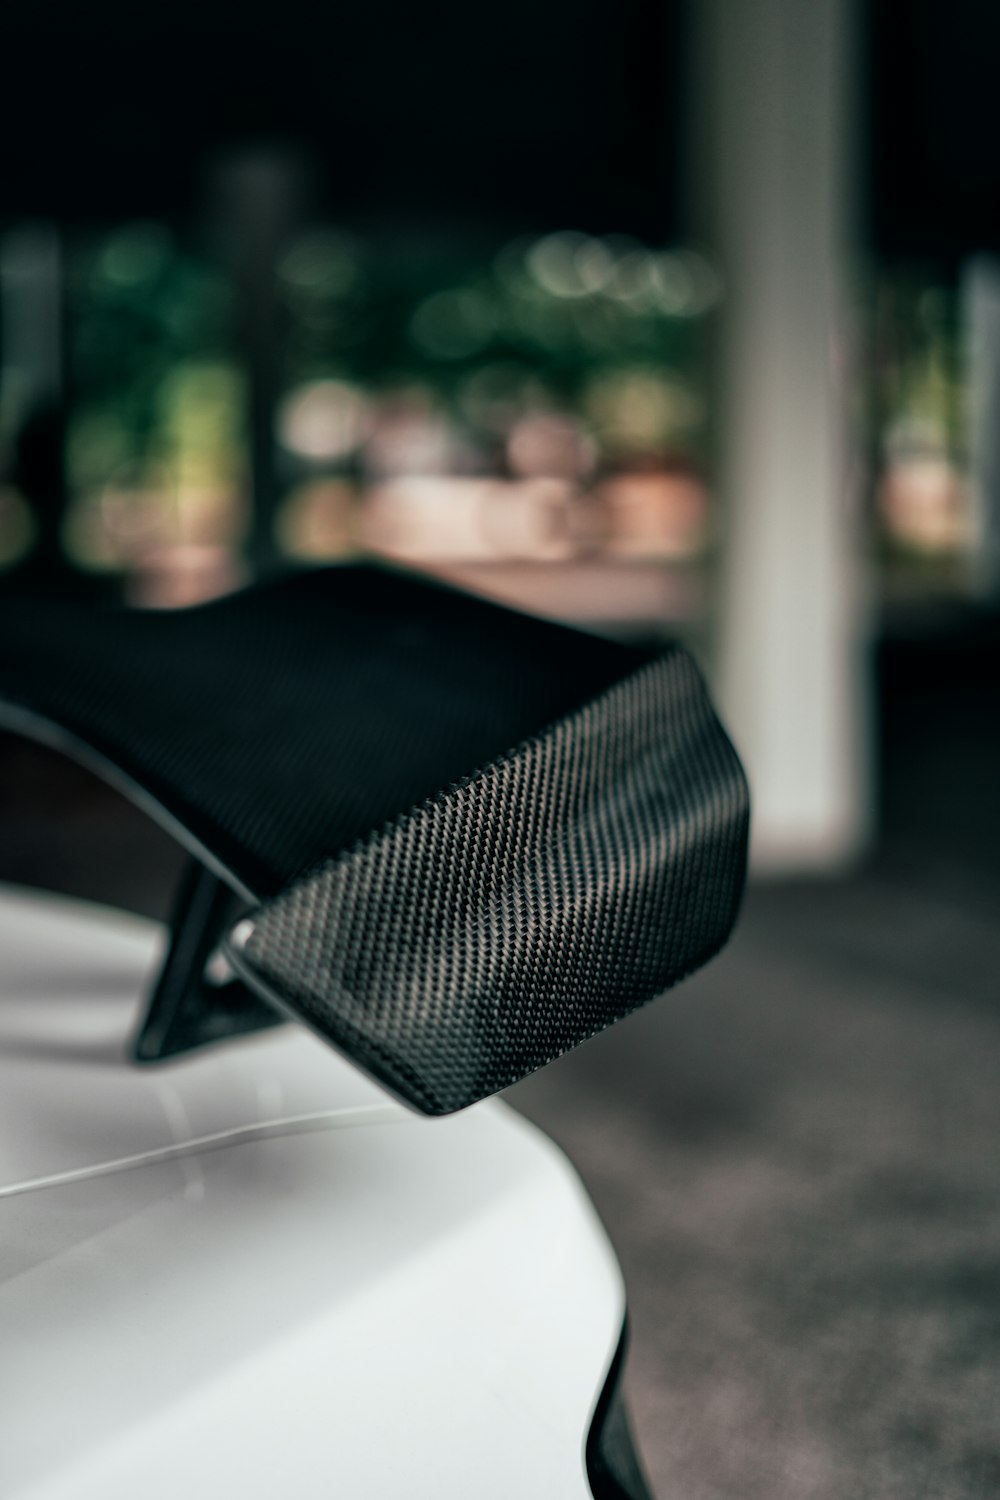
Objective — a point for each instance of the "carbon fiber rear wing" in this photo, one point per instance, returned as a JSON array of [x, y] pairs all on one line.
[[453, 840]]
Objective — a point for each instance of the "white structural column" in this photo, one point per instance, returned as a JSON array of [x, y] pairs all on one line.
[[771, 191], [981, 289]]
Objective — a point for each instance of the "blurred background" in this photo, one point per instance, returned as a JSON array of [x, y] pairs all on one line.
[[676, 319]]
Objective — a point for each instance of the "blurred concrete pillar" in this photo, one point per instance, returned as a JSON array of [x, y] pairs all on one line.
[[31, 306], [33, 377], [258, 200], [981, 317], [773, 111]]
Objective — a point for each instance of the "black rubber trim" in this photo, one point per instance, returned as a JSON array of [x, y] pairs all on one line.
[[614, 1469]]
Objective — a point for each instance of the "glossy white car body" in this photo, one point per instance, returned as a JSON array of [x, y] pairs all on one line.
[[248, 1273]]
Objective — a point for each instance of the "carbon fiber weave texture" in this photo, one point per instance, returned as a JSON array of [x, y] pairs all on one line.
[[281, 724], [507, 919]]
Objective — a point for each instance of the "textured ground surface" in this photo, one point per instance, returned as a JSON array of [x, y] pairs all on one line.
[[798, 1152], [798, 1157]]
